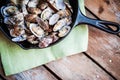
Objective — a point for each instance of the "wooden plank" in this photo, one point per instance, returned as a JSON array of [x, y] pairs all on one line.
[[104, 47], [101, 8], [78, 67], [39, 73]]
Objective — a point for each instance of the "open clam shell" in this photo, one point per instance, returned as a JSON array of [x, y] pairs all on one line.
[[8, 10], [64, 31], [32, 39], [60, 5], [36, 30], [33, 3], [59, 24], [45, 15], [53, 19], [17, 31], [19, 38]]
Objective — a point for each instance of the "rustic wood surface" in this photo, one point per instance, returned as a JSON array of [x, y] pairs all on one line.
[[107, 53], [100, 62]]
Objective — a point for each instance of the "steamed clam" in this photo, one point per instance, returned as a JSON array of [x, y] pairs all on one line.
[[8, 10], [24, 10], [46, 41], [33, 3], [42, 24], [64, 13], [45, 15], [16, 19], [64, 31], [19, 38], [32, 39], [17, 31], [53, 19], [33, 10], [60, 5], [31, 18], [59, 24], [43, 5], [39, 22], [36, 30]]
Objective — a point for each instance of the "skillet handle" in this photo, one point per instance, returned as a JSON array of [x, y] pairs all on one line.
[[100, 24]]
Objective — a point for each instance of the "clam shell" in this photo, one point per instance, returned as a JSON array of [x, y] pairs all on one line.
[[16, 19], [60, 5], [33, 3], [53, 19], [8, 21], [9, 10], [31, 18], [69, 7], [64, 31], [45, 42], [24, 2], [17, 31], [59, 25], [32, 39], [45, 15], [34, 10], [43, 5], [19, 38], [64, 13], [42, 24], [24, 10], [36, 30]]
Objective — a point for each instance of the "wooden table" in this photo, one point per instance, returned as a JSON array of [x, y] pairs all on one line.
[[100, 62]]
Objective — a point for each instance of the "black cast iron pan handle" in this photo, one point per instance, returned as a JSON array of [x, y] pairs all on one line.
[[100, 24]]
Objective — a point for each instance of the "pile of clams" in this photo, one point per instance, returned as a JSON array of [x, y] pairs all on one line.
[[40, 22]]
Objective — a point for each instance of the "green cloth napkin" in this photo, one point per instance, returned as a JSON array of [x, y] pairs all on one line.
[[15, 59]]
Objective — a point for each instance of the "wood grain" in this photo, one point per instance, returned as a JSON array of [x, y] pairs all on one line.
[[101, 8], [78, 67], [104, 47], [39, 73]]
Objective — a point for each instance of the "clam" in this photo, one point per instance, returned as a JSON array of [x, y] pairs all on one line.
[[53, 19], [64, 13], [68, 20], [31, 18], [16, 19], [17, 31], [9, 10], [69, 7], [45, 42], [32, 39], [59, 24], [54, 36], [33, 10], [36, 30], [42, 24], [64, 31], [51, 1], [43, 5], [45, 15], [24, 10], [33, 3], [7, 20], [24, 2], [60, 5], [19, 38]]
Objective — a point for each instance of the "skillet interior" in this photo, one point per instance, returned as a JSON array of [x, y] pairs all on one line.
[[27, 45]]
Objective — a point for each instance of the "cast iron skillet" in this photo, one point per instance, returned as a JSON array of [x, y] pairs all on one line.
[[77, 18]]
